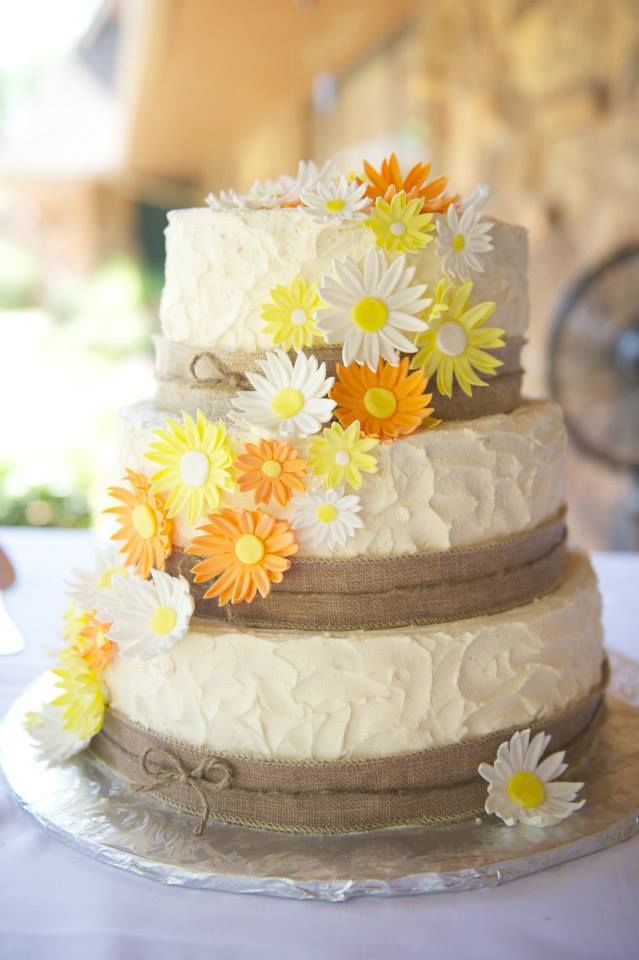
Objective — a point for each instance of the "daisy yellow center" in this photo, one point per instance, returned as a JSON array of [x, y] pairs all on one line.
[[451, 339], [380, 402], [271, 468], [249, 549], [458, 242], [326, 512], [335, 205], [298, 317], [398, 229], [287, 403], [163, 620], [143, 521], [104, 582], [526, 789], [370, 314], [194, 468]]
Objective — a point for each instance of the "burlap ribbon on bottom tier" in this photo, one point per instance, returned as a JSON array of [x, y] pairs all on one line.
[[190, 378], [371, 593], [343, 796]]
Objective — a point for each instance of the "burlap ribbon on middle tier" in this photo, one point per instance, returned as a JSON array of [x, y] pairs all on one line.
[[370, 593], [190, 378]]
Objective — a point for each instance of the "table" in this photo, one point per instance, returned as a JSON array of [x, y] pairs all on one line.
[[56, 904]]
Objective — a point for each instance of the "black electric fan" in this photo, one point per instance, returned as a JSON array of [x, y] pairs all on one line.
[[594, 374]]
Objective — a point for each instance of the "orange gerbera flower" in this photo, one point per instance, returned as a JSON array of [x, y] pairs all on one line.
[[246, 550], [388, 181], [272, 470], [145, 530], [388, 402], [93, 644]]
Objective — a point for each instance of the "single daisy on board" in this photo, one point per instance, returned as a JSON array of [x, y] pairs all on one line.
[[270, 470], [523, 788], [288, 399], [370, 310], [83, 585], [456, 343], [148, 617], [144, 531], [387, 403], [399, 226], [388, 181], [326, 519], [53, 742], [244, 552], [463, 238], [82, 699], [196, 462], [340, 199], [290, 317], [342, 455]]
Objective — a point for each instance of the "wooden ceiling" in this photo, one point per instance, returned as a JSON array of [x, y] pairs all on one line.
[[200, 75]]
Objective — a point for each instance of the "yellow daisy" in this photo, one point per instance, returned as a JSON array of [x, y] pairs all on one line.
[[399, 225], [290, 317], [341, 455], [82, 697], [456, 342], [196, 465]]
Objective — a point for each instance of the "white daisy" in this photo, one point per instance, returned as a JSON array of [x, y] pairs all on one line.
[[309, 176], [477, 198], [225, 200], [147, 617], [463, 239], [368, 308], [287, 400], [84, 585], [326, 518], [521, 789], [337, 200], [54, 743]]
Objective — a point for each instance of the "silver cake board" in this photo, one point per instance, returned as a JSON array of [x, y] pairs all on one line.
[[89, 808]]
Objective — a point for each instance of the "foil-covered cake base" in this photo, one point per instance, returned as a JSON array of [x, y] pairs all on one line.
[[91, 809]]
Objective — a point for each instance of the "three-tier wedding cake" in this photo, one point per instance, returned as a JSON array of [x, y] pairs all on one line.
[[338, 596]]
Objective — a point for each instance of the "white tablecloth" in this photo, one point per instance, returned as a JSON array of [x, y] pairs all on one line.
[[56, 904]]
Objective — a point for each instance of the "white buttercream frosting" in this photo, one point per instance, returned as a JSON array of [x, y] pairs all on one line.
[[298, 696], [461, 484], [222, 265]]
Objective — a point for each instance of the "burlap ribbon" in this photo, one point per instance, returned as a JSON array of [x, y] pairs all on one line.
[[371, 593], [343, 796], [190, 378]]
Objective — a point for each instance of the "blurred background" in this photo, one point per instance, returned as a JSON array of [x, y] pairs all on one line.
[[114, 111]]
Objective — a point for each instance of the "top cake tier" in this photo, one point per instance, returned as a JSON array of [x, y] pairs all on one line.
[[222, 265]]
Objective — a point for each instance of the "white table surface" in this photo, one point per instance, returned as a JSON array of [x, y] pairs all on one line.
[[56, 904]]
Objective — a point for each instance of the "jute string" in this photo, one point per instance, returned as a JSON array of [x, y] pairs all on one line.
[[429, 786], [371, 593], [190, 378]]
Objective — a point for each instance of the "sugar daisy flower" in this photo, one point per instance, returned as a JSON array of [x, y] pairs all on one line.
[[399, 226], [82, 699], [144, 528], [88, 637], [326, 519], [53, 742], [456, 342], [196, 462], [244, 552], [463, 238], [288, 399], [337, 200], [341, 455], [521, 789], [270, 470], [83, 585], [368, 310], [388, 181], [290, 317], [148, 617]]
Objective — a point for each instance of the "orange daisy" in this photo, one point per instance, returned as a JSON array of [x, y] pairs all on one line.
[[93, 644], [388, 402], [246, 550], [145, 529], [388, 181], [272, 470]]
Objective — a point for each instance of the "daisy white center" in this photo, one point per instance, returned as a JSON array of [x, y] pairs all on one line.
[[451, 339], [194, 468], [298, 317], [398, 229], [342, 458]]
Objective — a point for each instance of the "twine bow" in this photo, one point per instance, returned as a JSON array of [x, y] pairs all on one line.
[[162, 768], [222, 373]]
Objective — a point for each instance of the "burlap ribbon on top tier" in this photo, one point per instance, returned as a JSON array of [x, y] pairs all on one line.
[[343, 796], [190, 378], [371, 593]]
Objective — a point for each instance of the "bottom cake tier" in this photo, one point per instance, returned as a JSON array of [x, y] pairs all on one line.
[[297, 696]]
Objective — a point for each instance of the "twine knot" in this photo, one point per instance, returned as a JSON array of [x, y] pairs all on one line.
[[221, 373], [163, 768]]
